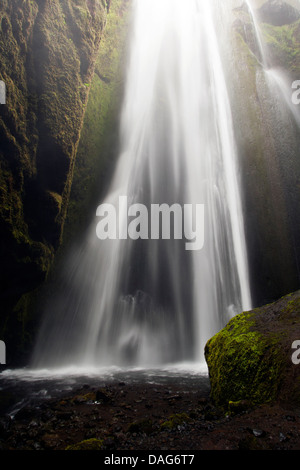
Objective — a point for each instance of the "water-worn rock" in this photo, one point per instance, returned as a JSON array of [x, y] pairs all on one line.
[[251, 358]]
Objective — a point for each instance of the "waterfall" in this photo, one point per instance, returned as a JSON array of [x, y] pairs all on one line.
[[277, 81], [150, 301]]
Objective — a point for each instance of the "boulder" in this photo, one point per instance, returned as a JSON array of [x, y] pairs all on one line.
[[253, 357], [278, 13]]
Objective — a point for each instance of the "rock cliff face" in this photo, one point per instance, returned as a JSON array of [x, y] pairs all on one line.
[[48, 51], [99, 141], [268, 140]]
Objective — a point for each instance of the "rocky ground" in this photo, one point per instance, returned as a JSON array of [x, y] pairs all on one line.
[[123, 416]]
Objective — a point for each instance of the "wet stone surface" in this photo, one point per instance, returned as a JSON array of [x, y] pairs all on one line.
[[145, 416]]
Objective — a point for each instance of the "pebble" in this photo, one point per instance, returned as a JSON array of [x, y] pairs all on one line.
[[258, 432]]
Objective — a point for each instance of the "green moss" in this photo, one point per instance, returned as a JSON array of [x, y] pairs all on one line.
[[244, 364], [240, 406], [175, 420], [249, 360], [57, 200], [99, 137], [88, 444], [90, 396], [284, 44], [292, 309]]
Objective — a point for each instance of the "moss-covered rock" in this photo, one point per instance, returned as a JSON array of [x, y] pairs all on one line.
[[88, 444], [175, 420], [284, 46], [250, 359]]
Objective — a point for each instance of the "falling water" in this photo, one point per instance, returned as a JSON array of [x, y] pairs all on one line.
[[277, 81], [148, 302]]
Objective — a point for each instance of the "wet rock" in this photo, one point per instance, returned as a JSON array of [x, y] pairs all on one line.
[[239, 406], [4, 427], [251, 443], [65, 415], [264, 427], [258, 432], [102, 396], [278, 13], [211, 413], [250, 359], [290, 418], [47, 415], [7, 399], [194, 414], [88, 444], [175, 397], [25, 413], [175, 420], [202, 401], [142, 426], [50, 441], [110, 443], [84, 398], [37, 446], [282, 437]]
